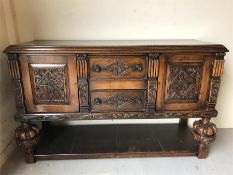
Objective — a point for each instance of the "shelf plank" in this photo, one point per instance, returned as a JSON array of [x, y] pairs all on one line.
[[109, 141]]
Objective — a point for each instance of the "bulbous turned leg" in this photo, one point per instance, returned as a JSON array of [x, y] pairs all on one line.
[[27, 136], [204, 132]]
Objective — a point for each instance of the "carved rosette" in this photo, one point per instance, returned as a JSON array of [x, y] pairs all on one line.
[[153, 68], [83, 82], [27, 136], [204, 133]]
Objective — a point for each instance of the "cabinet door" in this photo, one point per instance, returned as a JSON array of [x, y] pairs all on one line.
[[50, 83], [183, 81]]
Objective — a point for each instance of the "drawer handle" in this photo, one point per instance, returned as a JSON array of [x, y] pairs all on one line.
[[97, 101], [138, 67], [138, 101], [96, 68]]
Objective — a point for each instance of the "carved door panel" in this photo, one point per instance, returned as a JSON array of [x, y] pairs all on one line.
[[183, 81], [50, 83]]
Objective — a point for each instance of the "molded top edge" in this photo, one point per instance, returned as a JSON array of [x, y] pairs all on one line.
[[59, 45]]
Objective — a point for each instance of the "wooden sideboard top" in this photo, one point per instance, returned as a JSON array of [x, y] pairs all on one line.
[[111, 46]]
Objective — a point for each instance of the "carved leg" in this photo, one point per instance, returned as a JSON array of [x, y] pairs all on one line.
[[27, 136], [183, 122], [204, 132]]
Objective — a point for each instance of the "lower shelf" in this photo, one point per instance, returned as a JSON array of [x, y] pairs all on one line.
[[106, 141]]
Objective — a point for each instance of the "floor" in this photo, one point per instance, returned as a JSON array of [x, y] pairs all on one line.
[[219, 162]]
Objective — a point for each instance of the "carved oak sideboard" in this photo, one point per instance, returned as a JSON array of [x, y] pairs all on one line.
[[98, 80]]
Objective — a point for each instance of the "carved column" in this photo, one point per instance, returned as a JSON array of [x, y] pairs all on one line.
[[14, 71], [204, 131], [27, 136], [153, 69], [82, 71]]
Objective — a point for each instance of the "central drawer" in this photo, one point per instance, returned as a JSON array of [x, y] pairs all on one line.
[[121, 67], [118, 100], [117, 83]]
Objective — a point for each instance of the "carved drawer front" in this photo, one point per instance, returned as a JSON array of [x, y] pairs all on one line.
[[127, 100], [50, 83], [183, 82], [117, 67]]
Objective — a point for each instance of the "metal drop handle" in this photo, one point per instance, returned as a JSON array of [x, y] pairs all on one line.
[[97, 101], [96, 68], [138, 67]]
